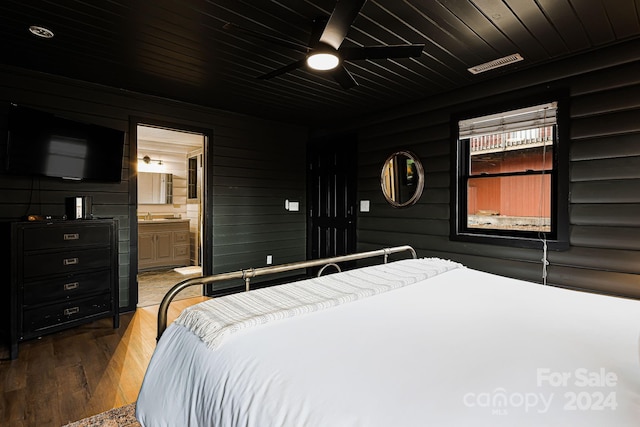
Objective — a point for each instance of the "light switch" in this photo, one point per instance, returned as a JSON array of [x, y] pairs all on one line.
[[364, 205], [294, 206]]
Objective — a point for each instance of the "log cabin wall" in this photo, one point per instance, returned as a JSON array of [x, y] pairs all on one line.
[[257, 165], [604, 253]]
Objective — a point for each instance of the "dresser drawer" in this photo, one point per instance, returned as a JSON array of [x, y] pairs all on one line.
[[67, 236], [46, 264], [62, 288], [55, 314]]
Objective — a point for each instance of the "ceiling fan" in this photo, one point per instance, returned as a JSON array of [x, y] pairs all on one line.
[[324, 54]]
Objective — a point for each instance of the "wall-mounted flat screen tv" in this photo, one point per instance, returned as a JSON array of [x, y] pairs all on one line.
[[40, 143]]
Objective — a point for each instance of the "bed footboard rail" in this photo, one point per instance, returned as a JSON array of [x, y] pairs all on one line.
[[247, 274]]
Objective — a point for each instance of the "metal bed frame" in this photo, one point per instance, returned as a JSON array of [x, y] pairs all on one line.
[[248, 274]]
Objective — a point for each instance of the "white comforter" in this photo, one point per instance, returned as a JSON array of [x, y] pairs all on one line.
[[463, 348]]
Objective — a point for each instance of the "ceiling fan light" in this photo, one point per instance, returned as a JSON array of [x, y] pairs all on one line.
[[323, 61]]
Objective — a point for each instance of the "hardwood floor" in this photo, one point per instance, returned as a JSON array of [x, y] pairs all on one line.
[[80, 372]]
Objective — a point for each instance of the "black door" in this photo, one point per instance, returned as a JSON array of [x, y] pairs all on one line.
[[332, 196]]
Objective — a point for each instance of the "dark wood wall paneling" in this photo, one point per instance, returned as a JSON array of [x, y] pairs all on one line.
[[604, 253], [257, 165], [257, 168]]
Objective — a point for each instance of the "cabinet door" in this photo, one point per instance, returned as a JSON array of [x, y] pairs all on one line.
[[164, 246], [145, 248]]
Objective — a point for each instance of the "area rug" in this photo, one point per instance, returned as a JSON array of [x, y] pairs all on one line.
[[125, 416], [192, 269]]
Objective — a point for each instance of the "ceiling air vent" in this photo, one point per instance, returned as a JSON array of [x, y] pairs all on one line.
[[496, 63]]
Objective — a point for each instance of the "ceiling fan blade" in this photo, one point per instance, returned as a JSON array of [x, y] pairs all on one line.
[[283, 70], [266, 37], [340, 22], [344, 77], [382, 52], [317, 27]]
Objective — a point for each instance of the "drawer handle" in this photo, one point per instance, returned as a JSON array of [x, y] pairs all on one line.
[[70, 261], [72, 310], [71, 286], [72, 236]]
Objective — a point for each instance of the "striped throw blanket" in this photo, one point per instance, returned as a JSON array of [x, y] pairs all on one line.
[[218, 318]]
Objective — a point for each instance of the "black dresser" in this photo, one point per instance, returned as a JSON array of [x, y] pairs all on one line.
[[63, 273]]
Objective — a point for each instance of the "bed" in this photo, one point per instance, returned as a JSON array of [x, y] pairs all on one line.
[[413, 342]]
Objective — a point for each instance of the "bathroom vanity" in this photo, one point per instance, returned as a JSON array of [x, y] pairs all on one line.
[[163, 243]]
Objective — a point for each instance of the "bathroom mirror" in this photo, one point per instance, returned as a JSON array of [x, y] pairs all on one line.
[[402, 179], [155, 188]]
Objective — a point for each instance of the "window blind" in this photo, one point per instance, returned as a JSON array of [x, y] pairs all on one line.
[[511, 121]]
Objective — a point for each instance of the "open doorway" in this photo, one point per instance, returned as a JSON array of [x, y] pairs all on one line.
[[170, 210]]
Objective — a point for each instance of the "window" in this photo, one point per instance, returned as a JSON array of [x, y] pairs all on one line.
[[511, 181], [192, 178]]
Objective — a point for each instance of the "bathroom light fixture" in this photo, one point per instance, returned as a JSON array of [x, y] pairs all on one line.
[[147, 164], [42, 32], [148, 160]]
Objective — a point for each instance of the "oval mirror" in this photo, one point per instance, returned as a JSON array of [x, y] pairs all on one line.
[[402, 179]]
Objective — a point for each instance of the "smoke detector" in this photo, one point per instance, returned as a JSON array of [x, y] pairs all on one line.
[[39, 31]]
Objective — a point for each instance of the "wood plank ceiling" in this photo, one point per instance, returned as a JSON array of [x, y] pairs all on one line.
[[179, 49]]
